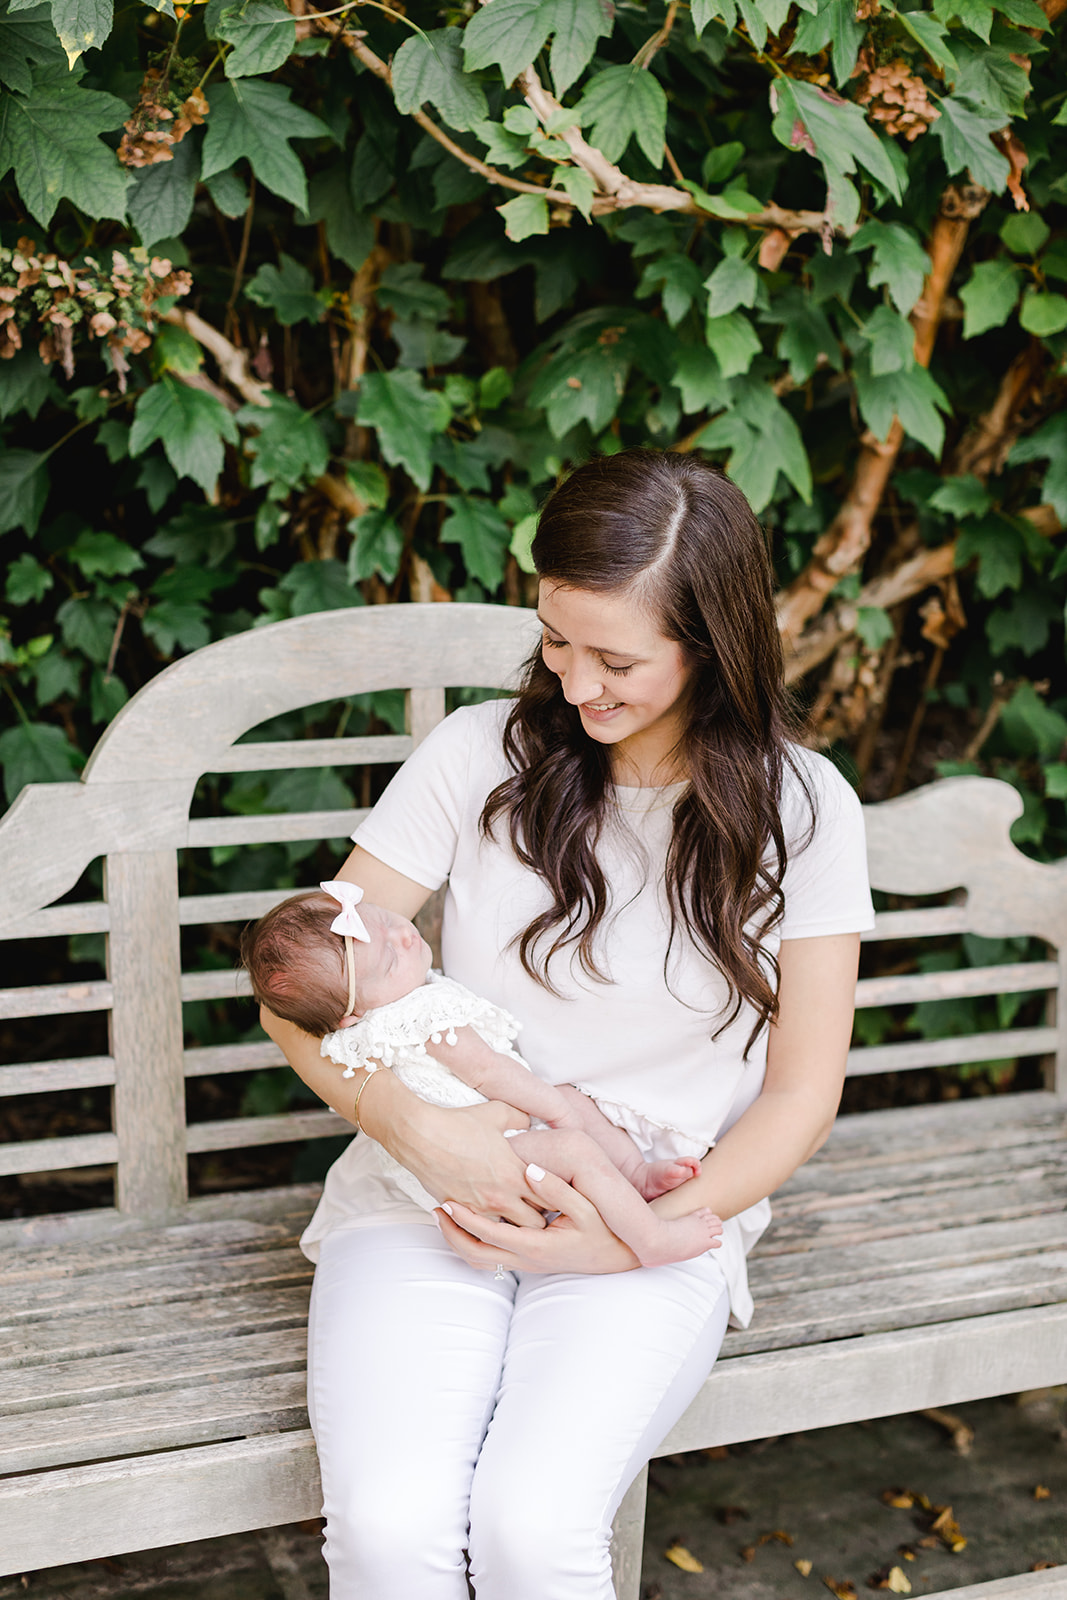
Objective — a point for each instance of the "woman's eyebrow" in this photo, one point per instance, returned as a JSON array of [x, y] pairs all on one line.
[[601, 650]]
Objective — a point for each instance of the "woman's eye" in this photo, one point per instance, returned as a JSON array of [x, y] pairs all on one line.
[[552, 644], [618, 672]]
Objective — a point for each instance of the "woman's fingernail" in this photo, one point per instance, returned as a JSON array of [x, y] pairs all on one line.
[[535, 1173], [446, 1207]]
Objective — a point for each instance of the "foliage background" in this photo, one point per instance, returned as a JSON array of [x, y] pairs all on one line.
[[304, 309]]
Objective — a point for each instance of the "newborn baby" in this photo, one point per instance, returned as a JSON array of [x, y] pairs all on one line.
[[362, 979]]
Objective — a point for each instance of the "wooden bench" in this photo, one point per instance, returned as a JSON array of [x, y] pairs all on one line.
[[152, 1355]]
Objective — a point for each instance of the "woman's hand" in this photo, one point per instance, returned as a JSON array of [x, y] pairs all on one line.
[[457, 1154], [578, 1241]]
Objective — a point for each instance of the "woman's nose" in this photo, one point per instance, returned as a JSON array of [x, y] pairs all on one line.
[[581, 683]]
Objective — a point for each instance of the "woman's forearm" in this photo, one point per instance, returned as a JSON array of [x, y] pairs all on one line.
[[775, 1136]]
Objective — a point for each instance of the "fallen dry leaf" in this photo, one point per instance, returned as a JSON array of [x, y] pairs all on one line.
[[903, 1499], [928, 1542], [717, 1452], [683, 1558], [843, 1590], [803, 1566], [951, 1534], [776, 1535], [728, 1514], [1043, 1566], [898, 1583], [1041, 1492], [906, 1552], [747, 1552]]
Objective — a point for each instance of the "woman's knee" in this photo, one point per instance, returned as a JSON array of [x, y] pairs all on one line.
[[527, 1541], [390, 1535]]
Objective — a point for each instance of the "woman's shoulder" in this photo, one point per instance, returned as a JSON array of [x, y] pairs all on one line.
[[808, 773], [474, 730]]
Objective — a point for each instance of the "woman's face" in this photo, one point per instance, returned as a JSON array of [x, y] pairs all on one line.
[[626, 679]]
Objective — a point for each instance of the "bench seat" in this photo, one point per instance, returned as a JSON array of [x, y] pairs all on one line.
[[919, 1259]]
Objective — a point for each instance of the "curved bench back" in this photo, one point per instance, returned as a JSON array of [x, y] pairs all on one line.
[[132, 807]]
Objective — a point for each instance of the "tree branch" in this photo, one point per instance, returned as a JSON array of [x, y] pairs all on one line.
[[845, 542], [231, 362]]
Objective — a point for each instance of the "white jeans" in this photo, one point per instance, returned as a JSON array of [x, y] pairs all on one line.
[[442, 1399]]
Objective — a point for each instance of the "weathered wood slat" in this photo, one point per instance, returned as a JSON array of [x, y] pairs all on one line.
[[981, 1123], [924, 923], [54, 999], [425, 709], [273, 755], [98, 1429], [876, 1375], [58, 1155], [182, 1241], [1050, 1584], [58, 921], [78, 1513], [28, 1390], [225, 983], [43, 1077], [158, 1284], [64, 1339], [206, 1062], [205, 832], [1005, 1046], [194, 909], [902, 1172], [239, 1133], [1015, 977]]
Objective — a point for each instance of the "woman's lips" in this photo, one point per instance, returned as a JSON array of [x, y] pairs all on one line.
[[602, 712]]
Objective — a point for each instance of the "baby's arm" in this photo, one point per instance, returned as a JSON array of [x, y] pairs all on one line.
[[649, 1178], [498, 1077]]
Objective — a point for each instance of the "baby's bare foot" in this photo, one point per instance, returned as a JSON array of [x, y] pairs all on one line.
[[682, 1238], [660, 1177]]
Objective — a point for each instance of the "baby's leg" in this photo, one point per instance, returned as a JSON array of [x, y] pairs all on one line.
[[649, 1178], [655, 1240]]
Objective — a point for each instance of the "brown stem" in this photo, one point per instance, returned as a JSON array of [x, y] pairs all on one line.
[[643, 58], [845, 542], [242, 254], [918, 716], [878, 701]]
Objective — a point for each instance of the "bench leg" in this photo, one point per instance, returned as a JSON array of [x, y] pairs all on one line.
[[628, 1539]]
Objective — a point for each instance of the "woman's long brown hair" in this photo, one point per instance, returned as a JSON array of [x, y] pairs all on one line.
[[681, 540]]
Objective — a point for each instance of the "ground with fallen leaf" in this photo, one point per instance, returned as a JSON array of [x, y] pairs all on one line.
[[908, 1504], [888, 1505]]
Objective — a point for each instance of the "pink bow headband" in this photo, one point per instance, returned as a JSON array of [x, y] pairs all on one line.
[[350, 925]]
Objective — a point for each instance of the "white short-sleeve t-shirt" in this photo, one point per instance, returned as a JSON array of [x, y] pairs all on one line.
[[644, 1044]]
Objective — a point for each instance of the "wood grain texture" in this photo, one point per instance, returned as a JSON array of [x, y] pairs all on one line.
[[144, 966], [1007, 1045], [167, 1283], [274, 755], [1014, 977], [54, 1000], [58, 1155], [204, 833], [194, 909], [239, 1133], [180, 723], [45, 1077], [203, 1063], [81, 1513], [1048, 1585], [627, 1539], [60, 921]]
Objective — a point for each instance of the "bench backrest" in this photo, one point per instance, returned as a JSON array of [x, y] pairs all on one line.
[[132, 807]]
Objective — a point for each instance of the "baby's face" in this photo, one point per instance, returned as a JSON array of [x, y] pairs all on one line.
[[395, 962]]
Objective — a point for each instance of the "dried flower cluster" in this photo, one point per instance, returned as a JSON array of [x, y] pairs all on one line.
[[114, 303], [155, 128], [896, 96], [867, 9]]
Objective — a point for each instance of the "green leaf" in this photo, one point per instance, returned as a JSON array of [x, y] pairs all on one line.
[[228, 191], [874, 626], [404, 291], [678, 277], [733, 205], [23, 489], [24, 384], [900, 262], [36, 752], [733, 283], [406, 415], [1025, 14], [156, 477], [1048, 441], [27, 581], [174, 350], [892, 342], [262, 32], [1056, 781], [160, 197], [103, 555], [576, 26], [835, 131], [763, 440], [368, 481], [255, 119], [505, 149], [961, 496], [507, 34], [288, 290], [107, 694], [579, 185], [585, 378], [989, 80], [1031, 725], [429, 67], [349, 233], [174, 624], [481, 533], [191, 426], [997, 545], [705, 11], [1043, 314], [698, 378], [931, 34], [806, 334], [1025, 233], [965, 143], [733, 341], [50, 137], [527, 214], [974, 14], [1023, 625], [198, 535], [82, 25], [55, 674], [288, 448], [620, 103], [378, 546], [88, 626], [989, 296], [913, 396], [319, 586], [27, 39]]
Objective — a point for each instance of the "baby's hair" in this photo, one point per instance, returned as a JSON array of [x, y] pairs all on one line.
[[297, 965]]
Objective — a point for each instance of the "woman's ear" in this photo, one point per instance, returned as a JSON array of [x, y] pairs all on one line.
[[348, 1022]]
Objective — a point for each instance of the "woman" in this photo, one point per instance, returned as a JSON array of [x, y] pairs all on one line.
[[668, 895]]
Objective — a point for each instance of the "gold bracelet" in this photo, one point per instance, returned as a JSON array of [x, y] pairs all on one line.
[[355, 1108]]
